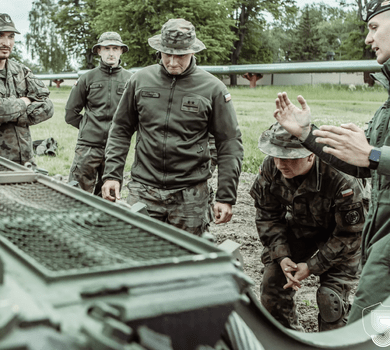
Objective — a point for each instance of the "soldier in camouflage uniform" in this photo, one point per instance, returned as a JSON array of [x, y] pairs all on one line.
[[23, 100], [97, 92], [309, 218], [174, 106]]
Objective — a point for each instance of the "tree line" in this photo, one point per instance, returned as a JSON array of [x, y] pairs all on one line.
[[234, 31]]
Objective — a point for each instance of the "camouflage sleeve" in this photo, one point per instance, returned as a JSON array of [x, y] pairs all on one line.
[[76, 102], [351, 205], [270, 216], [41, 107], [11, 108]]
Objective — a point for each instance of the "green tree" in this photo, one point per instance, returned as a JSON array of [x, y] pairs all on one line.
[[16, 54], [73, 19], [43, 41], [354, 46], [249, 21], [138, 20], [305, 38]]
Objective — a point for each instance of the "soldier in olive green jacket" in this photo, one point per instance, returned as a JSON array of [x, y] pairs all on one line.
[[309, 217], [174, 106], [97, 92], [23, 100], [361, 154]]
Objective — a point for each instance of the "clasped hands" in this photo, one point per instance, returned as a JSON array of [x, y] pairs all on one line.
[[294, 273]]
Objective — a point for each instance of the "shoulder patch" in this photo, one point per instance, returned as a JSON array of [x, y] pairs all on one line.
[[227, 97], [76, 82], [352, 214], [352, 217]]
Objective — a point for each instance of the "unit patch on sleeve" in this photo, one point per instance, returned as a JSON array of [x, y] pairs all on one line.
[[352, 214], [227, 97]]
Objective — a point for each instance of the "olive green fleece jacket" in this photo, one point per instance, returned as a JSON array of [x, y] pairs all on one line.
[[97, 92], [173, 115]]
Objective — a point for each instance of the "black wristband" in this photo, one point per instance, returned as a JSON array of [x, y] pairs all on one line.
[[374, 158]]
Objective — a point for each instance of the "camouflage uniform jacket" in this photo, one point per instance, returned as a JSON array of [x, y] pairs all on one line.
[[98, 92], [173, 115], [328, 206], [378, 135], [15, 117]]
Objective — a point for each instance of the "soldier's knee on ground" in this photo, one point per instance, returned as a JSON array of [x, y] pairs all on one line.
[[332, 309]]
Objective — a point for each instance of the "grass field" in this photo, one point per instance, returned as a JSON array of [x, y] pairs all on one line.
[[330, 104]]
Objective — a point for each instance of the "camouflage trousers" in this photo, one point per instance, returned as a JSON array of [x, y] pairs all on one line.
[[186, 209], [87, 168], [339, 280]]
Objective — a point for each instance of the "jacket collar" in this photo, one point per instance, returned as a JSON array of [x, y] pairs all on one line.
[[312, 182], [384, 76], [190, 69], [12, 67], [109, 69]]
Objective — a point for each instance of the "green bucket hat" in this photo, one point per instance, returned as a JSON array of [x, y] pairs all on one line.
[[110, 38], [6, 24], [278, 143], [177, 38]]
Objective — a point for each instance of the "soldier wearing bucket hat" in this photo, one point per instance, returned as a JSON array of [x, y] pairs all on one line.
[[309, 217], [364, 154], [24, 100], [97, 92], [174, 106]]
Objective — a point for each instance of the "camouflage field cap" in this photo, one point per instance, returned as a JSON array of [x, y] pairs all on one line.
[[277, 142], [110, 38], [177, 38], [6, 24], [373, 8]]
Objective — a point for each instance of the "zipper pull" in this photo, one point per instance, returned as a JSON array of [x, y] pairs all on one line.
[[173, 82]]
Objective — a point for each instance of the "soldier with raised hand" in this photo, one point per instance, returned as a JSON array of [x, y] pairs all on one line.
[[362, 154], [174, 106], [24, 100], [97, 92], [309, 217]]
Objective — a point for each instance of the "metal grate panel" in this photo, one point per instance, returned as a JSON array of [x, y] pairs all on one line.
[[4, 168], [62, 233]]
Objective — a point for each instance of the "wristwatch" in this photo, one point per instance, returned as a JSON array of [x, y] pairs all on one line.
[[374, 157]]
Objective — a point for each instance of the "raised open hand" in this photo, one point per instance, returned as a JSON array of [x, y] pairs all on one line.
[[296, 121]]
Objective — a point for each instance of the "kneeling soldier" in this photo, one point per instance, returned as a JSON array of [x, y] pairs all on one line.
[[309, 218]]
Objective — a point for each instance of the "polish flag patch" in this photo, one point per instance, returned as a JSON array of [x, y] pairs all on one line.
[[347, 193]]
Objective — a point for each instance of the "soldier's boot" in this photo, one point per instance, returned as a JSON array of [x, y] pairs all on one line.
[[333, 309]]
